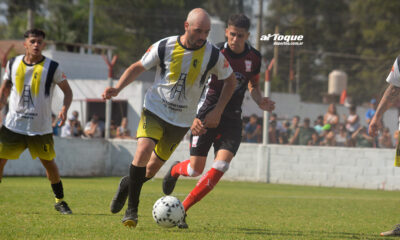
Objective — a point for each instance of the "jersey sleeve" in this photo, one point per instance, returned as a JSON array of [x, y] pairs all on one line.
[[150, 58], [59, 75], [7, 74], [222, 69], [394, 75]]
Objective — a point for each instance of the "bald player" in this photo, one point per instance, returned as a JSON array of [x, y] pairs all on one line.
[[183, 63]]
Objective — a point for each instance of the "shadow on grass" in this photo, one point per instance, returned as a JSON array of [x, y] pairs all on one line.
[[311, 234]]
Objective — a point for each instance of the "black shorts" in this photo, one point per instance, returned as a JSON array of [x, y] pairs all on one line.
[[227, 135]]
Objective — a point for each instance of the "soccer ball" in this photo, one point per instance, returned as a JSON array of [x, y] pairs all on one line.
[[168, 211]]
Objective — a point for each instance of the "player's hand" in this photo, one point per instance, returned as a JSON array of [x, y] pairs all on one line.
[[212, 119], [109, 93], [62, 116], [374, 126], [197, 127], [266, 104]]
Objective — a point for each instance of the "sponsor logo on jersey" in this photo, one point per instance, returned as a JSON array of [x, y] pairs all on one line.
[[248, 65], [63, 76], [226, 63]]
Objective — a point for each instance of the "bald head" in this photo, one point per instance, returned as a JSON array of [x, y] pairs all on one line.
[[198, 16], [197, 27]]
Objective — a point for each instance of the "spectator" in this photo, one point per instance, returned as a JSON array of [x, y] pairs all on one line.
[[385, 141], [273, 133], [331, 117], [71, 128], [123, 131], [54, 124], [68, 128], [92, 128], [113, 129], [253, 130], [362, 139], [341, 137], [371, 111], [77, 124], [315, 139], [284, 136], [352, 124], [293, 128], [303, 133], [318, 124], [396, 137], [279, 126], [328, 136]]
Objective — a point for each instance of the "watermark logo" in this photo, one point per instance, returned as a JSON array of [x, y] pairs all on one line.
[[283, 39]]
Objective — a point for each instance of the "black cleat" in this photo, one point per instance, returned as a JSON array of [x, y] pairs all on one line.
[[169, 181], [119, 199], [182, 224], [130, 219], [63, 208]]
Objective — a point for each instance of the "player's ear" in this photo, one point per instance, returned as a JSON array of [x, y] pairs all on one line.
[[226, 32], [25, 45], [186, 25], [247, 36]]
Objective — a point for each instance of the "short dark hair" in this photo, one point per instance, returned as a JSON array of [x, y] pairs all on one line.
[[240, 21], [35, 32]]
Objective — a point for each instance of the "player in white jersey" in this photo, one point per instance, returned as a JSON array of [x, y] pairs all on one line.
[[28, 83], [183, 65], [390, 97]]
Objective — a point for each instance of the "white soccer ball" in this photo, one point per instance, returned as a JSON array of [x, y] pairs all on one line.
[[168, 211]]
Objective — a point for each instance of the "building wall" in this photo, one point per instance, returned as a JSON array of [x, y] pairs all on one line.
[[300, 165]]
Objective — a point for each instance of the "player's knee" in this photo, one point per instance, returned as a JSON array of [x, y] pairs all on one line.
[[191, 172], [143, 152], [221, 165]]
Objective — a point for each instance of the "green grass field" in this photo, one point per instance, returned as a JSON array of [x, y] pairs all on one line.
[[234, 210]]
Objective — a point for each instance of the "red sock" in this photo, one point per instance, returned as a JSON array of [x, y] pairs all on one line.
[[203, 186], [180, 169]]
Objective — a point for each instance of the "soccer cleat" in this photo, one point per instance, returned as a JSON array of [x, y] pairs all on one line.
[[169, 181], [118, 201], [130, 219], [394, 232], [182, 224], [63, 208]]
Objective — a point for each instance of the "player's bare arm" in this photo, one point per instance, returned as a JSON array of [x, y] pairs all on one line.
[[391, 94], [4, 93], [263, 103], [66, 89], [130, 74], [213, 117]]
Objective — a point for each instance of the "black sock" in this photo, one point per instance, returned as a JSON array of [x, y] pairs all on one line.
[[58, 190], [136, 180], [147, 179]]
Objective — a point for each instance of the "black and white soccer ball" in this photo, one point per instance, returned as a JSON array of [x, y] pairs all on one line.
[[168, 211]]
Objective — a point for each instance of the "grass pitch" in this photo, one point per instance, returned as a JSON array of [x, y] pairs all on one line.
[[233, 210]]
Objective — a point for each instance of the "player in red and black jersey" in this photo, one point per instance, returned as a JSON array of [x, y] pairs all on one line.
[[245, 62]]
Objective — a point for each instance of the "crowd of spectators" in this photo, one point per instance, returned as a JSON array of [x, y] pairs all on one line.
[[93, 129], [326, 130]]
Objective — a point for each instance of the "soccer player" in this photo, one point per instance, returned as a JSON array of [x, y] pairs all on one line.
[[391, 96], [183, 64], [226, 138], [29, 81]]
